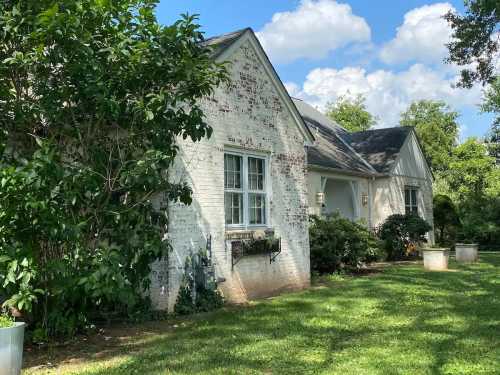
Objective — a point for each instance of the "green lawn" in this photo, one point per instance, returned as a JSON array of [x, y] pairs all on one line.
[[400, 321]]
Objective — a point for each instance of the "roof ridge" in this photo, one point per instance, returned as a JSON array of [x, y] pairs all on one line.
[[239, 31], [379, 129]]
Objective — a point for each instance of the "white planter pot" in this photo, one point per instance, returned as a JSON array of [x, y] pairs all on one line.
[[466, 253], [436, 259], [11, 349]]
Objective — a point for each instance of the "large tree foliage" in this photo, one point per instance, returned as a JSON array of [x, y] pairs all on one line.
[[474, 183], [351, 113], [471, 170], [446, 219], [492, 104], [475, 40], [437, 128], [93, 95]]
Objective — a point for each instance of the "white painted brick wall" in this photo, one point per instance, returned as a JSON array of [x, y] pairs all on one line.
[[248, 114]]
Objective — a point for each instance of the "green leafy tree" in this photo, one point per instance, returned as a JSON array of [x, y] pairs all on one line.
[[446, 219], [471, 170], [492, 105], [475, 40], [475, 182], [437, 128], [93, 95], [351, 113]]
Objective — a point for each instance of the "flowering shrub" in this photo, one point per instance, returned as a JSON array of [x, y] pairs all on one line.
[[401, 235]]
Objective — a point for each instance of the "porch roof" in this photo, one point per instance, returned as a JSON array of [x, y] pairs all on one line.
[[372, 152]]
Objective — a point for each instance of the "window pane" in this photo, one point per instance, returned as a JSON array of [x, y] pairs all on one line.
[[232, 171], [413, 197], [407, 197], [257, 208], [256, 173], [411, 204], [233, 204]]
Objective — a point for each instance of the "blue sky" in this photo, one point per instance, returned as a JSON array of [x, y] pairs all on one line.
[[389, 51]]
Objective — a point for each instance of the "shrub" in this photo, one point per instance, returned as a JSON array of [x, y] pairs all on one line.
[[338, 244], [6, 321], [401, 234]]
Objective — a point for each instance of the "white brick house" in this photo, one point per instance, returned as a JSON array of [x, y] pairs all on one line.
[[266, 164], [250, 175]]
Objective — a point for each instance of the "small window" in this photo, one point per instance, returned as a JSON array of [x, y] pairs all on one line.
[[411, 202], [245, 196]]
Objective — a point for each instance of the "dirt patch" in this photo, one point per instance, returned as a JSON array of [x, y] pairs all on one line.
[[104, 343]]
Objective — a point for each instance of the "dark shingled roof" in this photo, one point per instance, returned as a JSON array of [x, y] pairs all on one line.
[[220, 42], [380, 147], [368, 152], [330, 150]]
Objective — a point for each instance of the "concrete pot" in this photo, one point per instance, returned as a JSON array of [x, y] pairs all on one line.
[[11, 349], [466, 253], [436, 259]]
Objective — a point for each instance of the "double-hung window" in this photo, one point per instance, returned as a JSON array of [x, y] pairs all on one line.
[[411, 203], [245, 197]]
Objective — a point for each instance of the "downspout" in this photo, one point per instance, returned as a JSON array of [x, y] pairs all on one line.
[[370, 198]]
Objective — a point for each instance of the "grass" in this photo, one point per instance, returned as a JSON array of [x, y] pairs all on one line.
[[400, 321]]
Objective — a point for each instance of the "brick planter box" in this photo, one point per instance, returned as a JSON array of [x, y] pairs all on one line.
[[436, 259], [466, 253]]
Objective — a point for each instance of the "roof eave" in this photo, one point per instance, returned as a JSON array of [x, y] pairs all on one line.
[[347, 172]]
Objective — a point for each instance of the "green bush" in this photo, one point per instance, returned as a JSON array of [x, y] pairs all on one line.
[[338, 244], [6, 321], [480, 222], [401, 234]]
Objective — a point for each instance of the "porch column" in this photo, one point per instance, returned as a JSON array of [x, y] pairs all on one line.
[[355, 199]]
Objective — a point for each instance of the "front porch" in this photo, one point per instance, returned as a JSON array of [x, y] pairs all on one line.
[[349, 196]]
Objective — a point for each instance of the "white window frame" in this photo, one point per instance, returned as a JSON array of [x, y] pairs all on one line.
[[246, 191], [412, 204]]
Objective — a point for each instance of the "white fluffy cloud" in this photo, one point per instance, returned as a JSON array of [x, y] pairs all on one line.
[[387, 93], [312, 30], [421, 37]]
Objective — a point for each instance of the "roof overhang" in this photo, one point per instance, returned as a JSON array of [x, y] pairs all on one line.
[[346, 172]]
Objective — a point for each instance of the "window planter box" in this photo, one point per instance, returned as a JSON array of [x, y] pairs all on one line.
[[255, 244], [466, 253], [11, 349], [436, 259]]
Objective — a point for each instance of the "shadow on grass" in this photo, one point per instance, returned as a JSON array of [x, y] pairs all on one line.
[[403, 320]]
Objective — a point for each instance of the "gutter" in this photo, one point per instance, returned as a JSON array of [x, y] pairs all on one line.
[[347, 172]]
